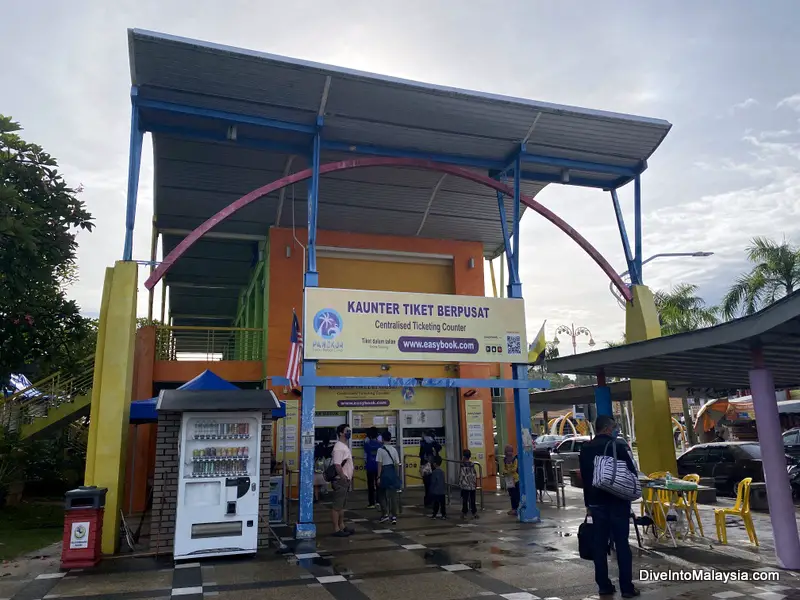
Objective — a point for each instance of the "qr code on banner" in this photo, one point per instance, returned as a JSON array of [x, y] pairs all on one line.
[[513, 344]]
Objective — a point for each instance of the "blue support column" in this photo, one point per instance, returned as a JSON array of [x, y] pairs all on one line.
[[528, 511], [637, 224], [517, 174], [306, 529], [134, 164], [512, 272], [626, 246], [602, 399]]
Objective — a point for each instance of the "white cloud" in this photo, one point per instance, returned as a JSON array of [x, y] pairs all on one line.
[[792, 102], [743, 105], [706, 187]]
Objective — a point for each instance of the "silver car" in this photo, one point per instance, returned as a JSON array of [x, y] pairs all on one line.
[[569, 451], [547, 442]]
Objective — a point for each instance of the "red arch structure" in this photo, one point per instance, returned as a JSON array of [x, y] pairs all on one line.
[[358, 163]]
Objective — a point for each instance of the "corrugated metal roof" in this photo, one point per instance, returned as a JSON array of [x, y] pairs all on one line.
[[198, 171], [715, 357]]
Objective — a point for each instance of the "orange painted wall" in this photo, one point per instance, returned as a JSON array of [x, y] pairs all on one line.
[[286, 294], [231, 370], [141, 438]]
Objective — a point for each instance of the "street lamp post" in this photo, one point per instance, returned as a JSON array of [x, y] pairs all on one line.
[[622, 302], [700, 254], [573, 332], [687, 415]]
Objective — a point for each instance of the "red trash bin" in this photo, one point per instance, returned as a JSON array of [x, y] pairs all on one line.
[[83, 527]]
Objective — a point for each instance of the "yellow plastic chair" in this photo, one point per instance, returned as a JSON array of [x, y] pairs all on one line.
[[650, 497], [741, 509], [689, 506]]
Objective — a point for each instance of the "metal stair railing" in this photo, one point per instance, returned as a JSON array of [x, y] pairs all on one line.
[[37, 399]]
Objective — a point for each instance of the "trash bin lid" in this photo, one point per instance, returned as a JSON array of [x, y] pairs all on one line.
[[87, 491]]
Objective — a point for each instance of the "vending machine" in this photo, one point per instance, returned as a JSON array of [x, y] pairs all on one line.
[[218, 484]]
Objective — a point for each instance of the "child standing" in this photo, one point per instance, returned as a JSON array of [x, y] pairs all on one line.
[[468, 482], [511, 478], [438, 488]]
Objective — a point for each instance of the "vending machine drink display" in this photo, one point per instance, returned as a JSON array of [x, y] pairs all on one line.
[[218, 484]]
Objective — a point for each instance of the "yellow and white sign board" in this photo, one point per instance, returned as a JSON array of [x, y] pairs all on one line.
[[395, 326]]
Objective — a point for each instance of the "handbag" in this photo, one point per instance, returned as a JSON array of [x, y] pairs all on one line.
[[425, 469], [613, 476], [586, 540], [390, 478], [330, 474]]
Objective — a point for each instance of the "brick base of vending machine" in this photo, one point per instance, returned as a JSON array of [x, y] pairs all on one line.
[[83, 549], [165, 484]]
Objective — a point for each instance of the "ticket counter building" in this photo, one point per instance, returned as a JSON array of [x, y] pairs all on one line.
[[279, 182]]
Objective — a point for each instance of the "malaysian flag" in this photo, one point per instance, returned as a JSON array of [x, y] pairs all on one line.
[[295, 361]]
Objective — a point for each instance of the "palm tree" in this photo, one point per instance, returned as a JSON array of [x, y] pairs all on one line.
[[776, 274], [680, 310]]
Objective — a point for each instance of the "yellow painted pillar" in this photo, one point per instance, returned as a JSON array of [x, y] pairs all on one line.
[[111, 394], [653, 421]]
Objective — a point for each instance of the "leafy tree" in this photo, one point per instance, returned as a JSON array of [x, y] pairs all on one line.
[[40, 329], [680, 310], [776, 274]]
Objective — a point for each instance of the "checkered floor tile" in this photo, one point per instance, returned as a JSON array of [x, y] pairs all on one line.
[[456, 567], [187, 591], [331, 579], [51, 575]]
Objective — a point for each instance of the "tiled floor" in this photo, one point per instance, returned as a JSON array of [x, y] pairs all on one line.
[[494, 557]]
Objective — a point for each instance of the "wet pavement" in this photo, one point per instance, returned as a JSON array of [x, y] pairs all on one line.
[[491, 557]]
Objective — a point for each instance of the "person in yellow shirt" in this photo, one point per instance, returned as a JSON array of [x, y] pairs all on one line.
[[510, 474]]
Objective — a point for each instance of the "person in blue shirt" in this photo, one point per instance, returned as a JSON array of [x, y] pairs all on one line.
[[371, 446], [429, 449]]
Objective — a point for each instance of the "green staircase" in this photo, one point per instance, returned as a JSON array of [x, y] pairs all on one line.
[[54, 402]]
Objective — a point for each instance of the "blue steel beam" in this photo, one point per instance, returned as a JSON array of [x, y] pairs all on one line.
[[222, 115], [512, 274], [476, 162], [533, 176], [623, 232], [527, 512], [515, 256], [134, 165], [578, 165], [464, 161], [401, 382], [637, 225], [221, 136]]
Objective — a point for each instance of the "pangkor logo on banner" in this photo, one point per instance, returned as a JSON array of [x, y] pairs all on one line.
[[394, 326]]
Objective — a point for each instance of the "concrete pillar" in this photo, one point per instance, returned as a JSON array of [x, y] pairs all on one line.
[[773, 459], [650, 399], [111, 394]]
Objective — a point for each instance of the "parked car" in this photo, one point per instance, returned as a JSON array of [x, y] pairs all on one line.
[[569, 451], [727, 462], [547, 442], [791, 443]]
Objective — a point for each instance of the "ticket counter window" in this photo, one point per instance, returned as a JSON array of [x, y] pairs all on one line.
[[325, 424], [412, 439], [362, 422]]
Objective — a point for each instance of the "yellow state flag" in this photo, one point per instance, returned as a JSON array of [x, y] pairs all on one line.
[[537, 348]]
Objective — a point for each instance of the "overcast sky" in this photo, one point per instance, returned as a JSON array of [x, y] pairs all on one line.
[[723, 72]]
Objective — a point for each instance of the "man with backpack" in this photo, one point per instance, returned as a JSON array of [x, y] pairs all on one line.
[[610, 513], [389, 479], [340, 475]]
